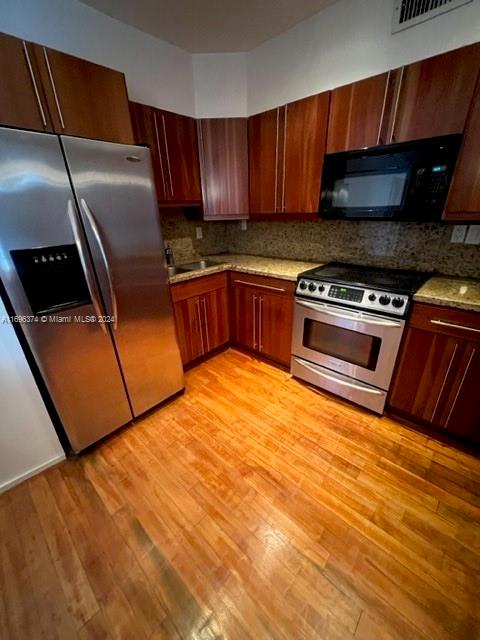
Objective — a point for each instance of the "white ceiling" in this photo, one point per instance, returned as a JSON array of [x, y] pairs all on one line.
[[203, 26]]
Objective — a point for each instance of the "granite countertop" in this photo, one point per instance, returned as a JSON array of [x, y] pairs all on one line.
[[456, 293], [256, 265]]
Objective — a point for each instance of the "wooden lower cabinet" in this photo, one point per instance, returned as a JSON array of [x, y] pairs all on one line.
[[436, 381], [201, 315], [262, 317]]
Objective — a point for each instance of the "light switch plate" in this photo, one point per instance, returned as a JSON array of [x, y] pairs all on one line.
[[459, 232], [198, 233], [243, 225], [473, 234]]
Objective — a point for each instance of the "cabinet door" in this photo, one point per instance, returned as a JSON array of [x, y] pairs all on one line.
[[264, 146], [461, 414], [22, 101], [84, 99], [305, 131], [214, 307], [146, 132], [427, 361], [357, 113], [189, 328], [181, 165], [434, 95], [245, 320], [275, 322], [223, 145], [464, 197]]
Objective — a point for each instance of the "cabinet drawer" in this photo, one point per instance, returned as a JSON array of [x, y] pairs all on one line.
[[198, 286], [451, 322], [263, 283]]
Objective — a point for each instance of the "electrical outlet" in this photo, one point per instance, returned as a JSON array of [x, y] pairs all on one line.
[[243, 225], [473, 234], [198, 233], [459, 232]]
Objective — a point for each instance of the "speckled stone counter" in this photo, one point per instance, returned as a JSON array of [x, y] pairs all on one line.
[[256, 265], [456, 293]]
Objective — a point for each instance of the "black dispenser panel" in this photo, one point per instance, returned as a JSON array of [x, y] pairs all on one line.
[[52, 277]]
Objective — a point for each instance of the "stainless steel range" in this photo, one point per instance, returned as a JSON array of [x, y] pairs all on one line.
[[347, 329]]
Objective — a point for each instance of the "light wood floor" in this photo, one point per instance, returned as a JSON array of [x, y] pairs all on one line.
[[251, 508]]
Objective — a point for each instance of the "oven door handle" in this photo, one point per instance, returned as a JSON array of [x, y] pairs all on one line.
[[344, 383], [355, 317]]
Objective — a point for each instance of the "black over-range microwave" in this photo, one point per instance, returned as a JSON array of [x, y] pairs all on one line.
[[404, 181]]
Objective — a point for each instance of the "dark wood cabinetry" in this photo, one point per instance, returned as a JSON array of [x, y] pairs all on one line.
[[357, 114], [433, 96], [46, 90], [262, 315], [201, 315], [438, 371], [223, 146], [172, 139], [464, 197], [22, 100], [286, 149]]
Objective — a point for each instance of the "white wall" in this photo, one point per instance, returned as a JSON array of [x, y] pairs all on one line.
[[345, 42], [156, 72], [220, 81], [28, 442]]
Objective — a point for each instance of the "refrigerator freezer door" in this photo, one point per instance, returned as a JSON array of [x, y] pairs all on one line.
[[114, 188], [77, 360]]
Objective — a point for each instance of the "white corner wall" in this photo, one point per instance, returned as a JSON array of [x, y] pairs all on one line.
[[157, 73], [345, 42], [28, 442], [220, 82]]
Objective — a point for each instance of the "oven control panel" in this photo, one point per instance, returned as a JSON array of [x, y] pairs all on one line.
[[359, 297]]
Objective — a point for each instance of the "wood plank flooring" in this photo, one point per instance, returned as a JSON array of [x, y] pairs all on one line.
[[251, 508]]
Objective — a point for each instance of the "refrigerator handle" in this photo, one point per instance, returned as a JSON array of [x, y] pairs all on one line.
[[96, 232], [78, 242]]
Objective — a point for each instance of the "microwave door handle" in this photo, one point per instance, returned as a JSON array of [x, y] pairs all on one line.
[[72, 217], [337, 380], [96, 233], [356, 317]]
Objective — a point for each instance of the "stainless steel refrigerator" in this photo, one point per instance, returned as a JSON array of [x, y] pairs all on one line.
[[80, 241]]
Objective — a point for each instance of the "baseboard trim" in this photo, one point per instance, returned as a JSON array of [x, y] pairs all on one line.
[[32, 472]]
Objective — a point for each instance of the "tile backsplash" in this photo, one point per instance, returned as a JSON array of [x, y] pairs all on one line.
[[404, 245]]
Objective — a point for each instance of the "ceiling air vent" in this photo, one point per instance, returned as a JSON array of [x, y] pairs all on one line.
[[408, 13]]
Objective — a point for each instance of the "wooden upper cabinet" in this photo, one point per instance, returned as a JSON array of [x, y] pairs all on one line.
[[178, 137], [84, 99], [263, 147], [464, 196], [433, 96], [223, 146], [22, 101], [358, 113], [305, 132]]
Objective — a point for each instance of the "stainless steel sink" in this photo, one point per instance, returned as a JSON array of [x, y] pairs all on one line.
[[200, 264]]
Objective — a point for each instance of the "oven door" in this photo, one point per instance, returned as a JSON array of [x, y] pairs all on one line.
[[360, 345]]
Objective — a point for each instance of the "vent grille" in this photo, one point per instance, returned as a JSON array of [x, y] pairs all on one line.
[[407, 13]]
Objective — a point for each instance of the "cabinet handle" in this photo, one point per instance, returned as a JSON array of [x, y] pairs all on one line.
[[276, 158], [260, 321], [260, 286], [254, 342], [54, 88], [199, 318], [444, 382], [454, 325], [168, 154], [460, 387], [379, 140], [34, 83], [206, 322], [395, 109], [157, 136], [284, 156]]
